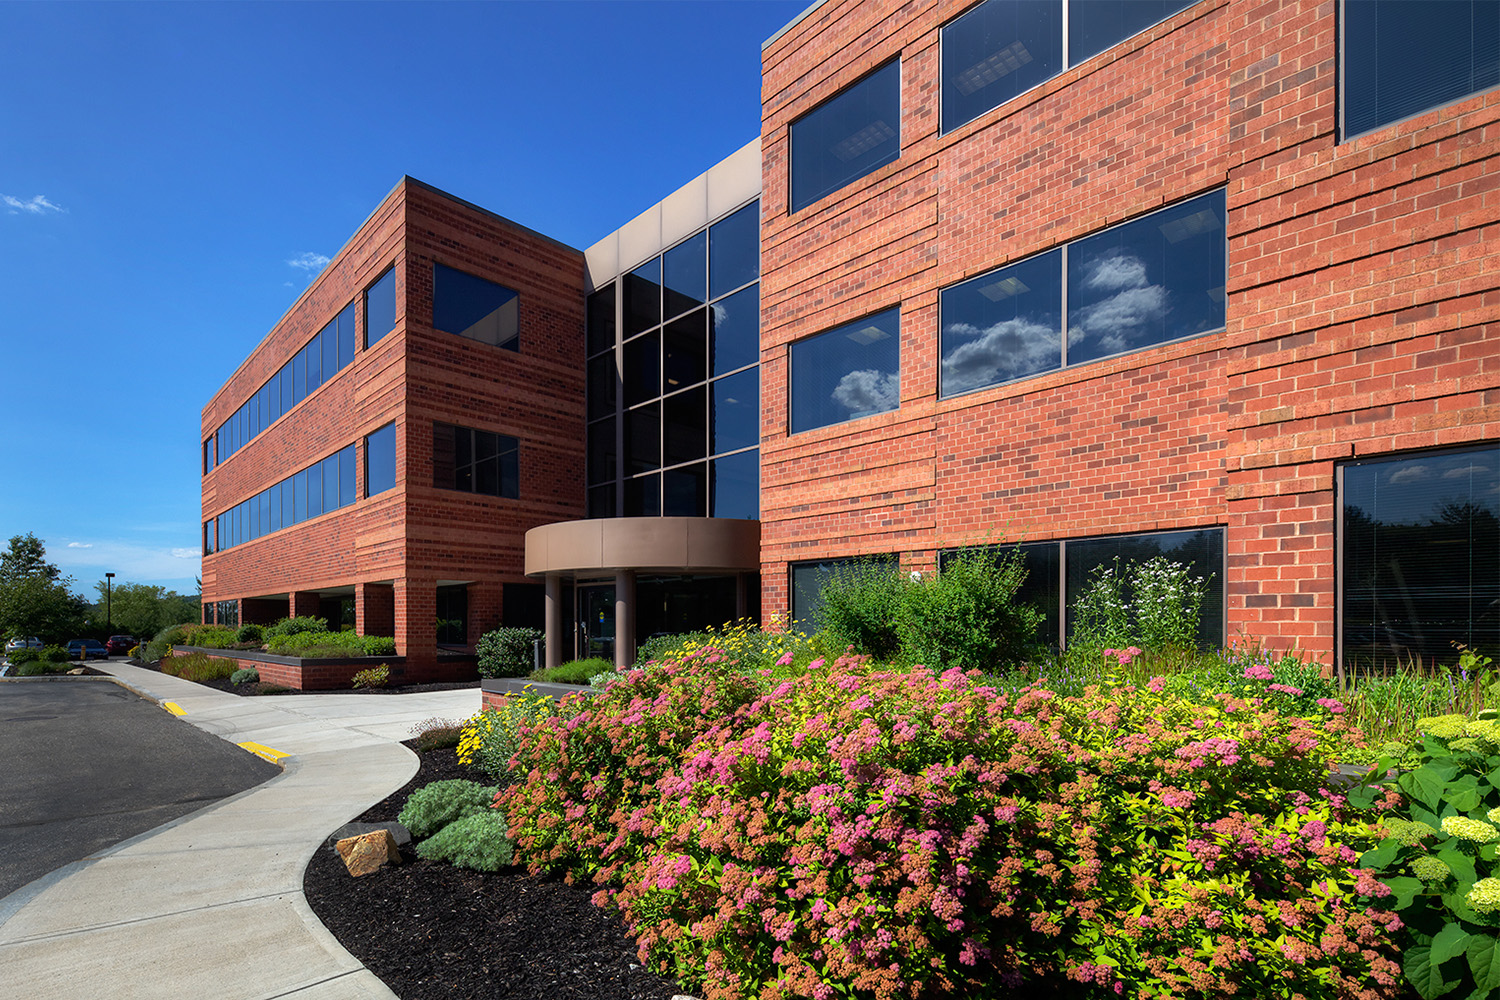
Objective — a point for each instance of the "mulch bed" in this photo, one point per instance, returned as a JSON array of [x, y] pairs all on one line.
[[432, 931]]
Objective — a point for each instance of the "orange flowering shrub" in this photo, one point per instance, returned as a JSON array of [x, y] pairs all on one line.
[[872, 834]]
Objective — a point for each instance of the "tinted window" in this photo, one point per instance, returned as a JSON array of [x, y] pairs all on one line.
[[685, 491], [808, 580], [312, 364], [1003, 325], [475, 461], [734, 331], [643, 297], [346, 336], [602, 501], [601, 457], [684, 275], [329, 340], [643, 368], [380, 308], [601, 319], [684, 351], [846, 137], [851, 371], [1403, 57], [603, 381], [1421, 540], [1146, 282], [643, 496], [1095, 25], [643, 439], [734, 412], [734, 251], [683, 438], [998, 50], [380, 460], [1202, 552], [734, 485], [314, 490], [475, 308]]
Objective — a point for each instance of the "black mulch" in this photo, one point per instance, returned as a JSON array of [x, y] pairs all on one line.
[[432, 931]]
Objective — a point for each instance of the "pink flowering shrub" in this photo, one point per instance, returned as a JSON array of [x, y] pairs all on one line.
[[873, 834]]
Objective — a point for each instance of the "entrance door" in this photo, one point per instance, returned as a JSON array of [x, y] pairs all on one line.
[[596, 622]]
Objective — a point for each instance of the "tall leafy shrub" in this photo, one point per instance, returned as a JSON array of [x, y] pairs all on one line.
[[905, 834], [968, 617], [862, 604], [506, 652]]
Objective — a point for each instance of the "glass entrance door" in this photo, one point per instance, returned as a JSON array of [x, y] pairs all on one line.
[[596, 622]]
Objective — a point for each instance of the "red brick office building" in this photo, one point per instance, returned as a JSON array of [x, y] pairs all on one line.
[[1214, 280]]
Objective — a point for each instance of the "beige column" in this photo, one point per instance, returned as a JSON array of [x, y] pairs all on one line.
[[554, 623], [624, 618]]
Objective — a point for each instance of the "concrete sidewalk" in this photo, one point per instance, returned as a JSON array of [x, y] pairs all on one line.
[[211, 905]]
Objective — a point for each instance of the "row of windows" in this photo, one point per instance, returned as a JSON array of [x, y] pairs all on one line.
[[1057, 572], [1399, 58], [462, 304], [329, 352], [322, 487], [726, 486], [1152, 280]]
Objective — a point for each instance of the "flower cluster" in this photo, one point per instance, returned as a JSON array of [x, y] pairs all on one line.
[[1124, 656], [854, 832]]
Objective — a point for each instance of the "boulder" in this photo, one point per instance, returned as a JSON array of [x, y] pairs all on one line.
[[77, 672], [368, 852], [401, 833]]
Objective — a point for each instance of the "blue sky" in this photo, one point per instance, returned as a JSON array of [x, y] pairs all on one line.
[[172, 175]]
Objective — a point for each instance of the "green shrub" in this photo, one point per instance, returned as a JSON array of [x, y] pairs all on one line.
[[968, 616], [172, 635], [435, 805], [659, 646], [315, 644], [479, 842], [1156, 604], [250, 633], [1438, 866], [199, 667], [882, 834], [211, 637], [863, 604], [373, 677], [27, 655], [39, 668], [506, 652], [490, 739], [55, 654], [574, 671], [246, 675], [291, 626]]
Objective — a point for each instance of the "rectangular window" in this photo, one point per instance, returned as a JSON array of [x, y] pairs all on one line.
[[208, 456], [1421, 556], [809, 578], [684, 275], [1003, 48], [346, 476], [734, 251], [475, 308], [380, 308], [208, 538], [848, 372], [1155, 279], [734, 485], [380, 460], [331, 482], [1404, 57], [846, 137], [475, 461], [312, 364], [452, 615], [346, 337], [329, 340], [601, 319]]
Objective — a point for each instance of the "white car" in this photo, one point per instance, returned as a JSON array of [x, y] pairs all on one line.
[[23, 642]]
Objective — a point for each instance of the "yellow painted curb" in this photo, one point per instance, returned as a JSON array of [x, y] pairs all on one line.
[[173, 707], [261, 750]]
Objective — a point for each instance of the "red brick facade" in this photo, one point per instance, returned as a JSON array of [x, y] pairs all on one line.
[[392, 551], [1363, 300]]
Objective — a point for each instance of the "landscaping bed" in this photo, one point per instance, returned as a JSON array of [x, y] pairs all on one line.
[[434, 931], [255, 688]]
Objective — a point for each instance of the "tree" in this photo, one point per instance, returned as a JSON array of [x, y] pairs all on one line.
[[141, 609], [35, 599]]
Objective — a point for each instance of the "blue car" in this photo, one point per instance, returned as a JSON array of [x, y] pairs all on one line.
[[87, 649]]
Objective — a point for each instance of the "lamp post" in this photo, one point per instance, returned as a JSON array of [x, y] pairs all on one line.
[[108, 588]]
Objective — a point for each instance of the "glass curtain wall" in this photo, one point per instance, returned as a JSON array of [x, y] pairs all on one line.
[[674, 379]]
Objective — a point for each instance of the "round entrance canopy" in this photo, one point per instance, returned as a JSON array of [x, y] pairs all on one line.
[[646, 544]]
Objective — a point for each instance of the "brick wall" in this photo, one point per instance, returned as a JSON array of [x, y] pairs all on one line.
[[1361, 300]]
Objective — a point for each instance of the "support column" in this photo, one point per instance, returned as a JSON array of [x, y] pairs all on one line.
[[554, 621], [624, 618], [303, 604], [374, 609]]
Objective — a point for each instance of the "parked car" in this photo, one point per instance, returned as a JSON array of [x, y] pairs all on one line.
[[23, 642], [120, 645], [87, 649]]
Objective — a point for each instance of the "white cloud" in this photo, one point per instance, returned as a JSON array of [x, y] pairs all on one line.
[[80, 545], [185, 553], [38, 205], [1000, 352], [131, 562], [310, 262], [1414, 473], [867, 391], [1117, 323], [1114, 273]]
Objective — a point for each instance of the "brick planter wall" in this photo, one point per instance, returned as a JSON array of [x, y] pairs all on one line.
[[331, 674]]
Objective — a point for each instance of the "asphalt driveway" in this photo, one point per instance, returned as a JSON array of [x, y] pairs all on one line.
[[86, 764]]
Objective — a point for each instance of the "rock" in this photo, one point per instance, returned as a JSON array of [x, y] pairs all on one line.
[[77, 672], [369, 851], [401, 833]]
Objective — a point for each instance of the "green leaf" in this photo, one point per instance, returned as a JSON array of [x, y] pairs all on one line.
[[1451, 940], [1463, 795], [1424, 786], [1406, 889], [1484, 961], [1380, 857], [1462, 864], [1425, 975]]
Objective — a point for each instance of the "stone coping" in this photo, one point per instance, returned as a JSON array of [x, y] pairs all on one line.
[[300, 661], [515, 685]]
